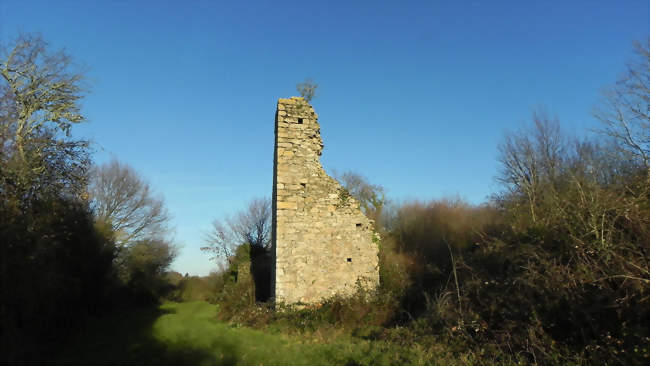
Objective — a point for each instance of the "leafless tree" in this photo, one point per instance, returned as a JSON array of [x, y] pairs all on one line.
[[531, 159], [371, 197], [249, 226], [124, 200], [625, 109], [307, 89]]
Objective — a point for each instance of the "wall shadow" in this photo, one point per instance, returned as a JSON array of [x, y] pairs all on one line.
[[261, 263]]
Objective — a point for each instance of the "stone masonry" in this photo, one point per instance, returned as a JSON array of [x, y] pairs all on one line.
[[322, 244]]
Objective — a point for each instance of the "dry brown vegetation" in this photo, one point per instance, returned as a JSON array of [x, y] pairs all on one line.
[[554, 269]]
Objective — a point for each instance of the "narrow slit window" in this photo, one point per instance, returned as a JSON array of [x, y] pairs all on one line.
[[358, 225], [300, 120], [350, 260]]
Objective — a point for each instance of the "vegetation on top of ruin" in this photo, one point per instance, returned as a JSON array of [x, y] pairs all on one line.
[[307, 89]]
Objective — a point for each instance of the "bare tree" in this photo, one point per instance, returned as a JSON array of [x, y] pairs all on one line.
[[531, 159], [371, 197], [307, 89], [125, 201], [249, 226], [625, 109]]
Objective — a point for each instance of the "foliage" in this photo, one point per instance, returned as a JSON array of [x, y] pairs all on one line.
[[40, 97], [553, 270], [138, 222], [56, 269], [196, 288], [566, 240], [142, 268], [245, 240], [55, 264], [344, 198], [58, 265], [238, 286], [39, 94]]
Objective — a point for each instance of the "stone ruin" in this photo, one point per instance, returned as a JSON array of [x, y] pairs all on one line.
[[322, 244]]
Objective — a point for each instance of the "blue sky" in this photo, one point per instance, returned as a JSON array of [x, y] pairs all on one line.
[[415, 95]]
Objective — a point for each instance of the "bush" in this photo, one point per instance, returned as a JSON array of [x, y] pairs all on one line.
[[142, 268], [56, 270], [195, 288]]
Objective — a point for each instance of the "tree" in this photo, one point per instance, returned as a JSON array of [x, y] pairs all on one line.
[[625, 109], [578, 218], [124, 205], [54, 265], [307, 89], [123, 200], [39, 102], [249, 226], [143, 266], [43, 91], [531, 159], [371, 197]]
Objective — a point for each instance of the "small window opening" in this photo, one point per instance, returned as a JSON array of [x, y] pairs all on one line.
[[358, 225], [349, 259], [299, 121], [304, 185]]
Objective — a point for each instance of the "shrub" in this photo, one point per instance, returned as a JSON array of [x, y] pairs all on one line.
[[56, 270]]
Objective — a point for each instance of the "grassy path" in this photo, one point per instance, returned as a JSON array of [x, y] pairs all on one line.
[[188, 334]]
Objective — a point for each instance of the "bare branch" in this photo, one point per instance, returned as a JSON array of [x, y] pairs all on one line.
[[249, 226], [371, 197], [44, 90], [625, 110], [121, 198]]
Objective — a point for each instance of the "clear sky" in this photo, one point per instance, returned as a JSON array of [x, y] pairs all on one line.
[[415, 95]]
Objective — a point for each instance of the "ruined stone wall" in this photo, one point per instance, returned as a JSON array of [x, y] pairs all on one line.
[[322, 243]]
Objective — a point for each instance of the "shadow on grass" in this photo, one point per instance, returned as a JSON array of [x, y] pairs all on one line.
[[126, 338]]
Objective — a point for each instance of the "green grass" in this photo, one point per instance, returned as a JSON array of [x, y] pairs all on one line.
[[188, 334]]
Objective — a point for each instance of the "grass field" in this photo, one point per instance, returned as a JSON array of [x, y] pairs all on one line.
[[188, 334]]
